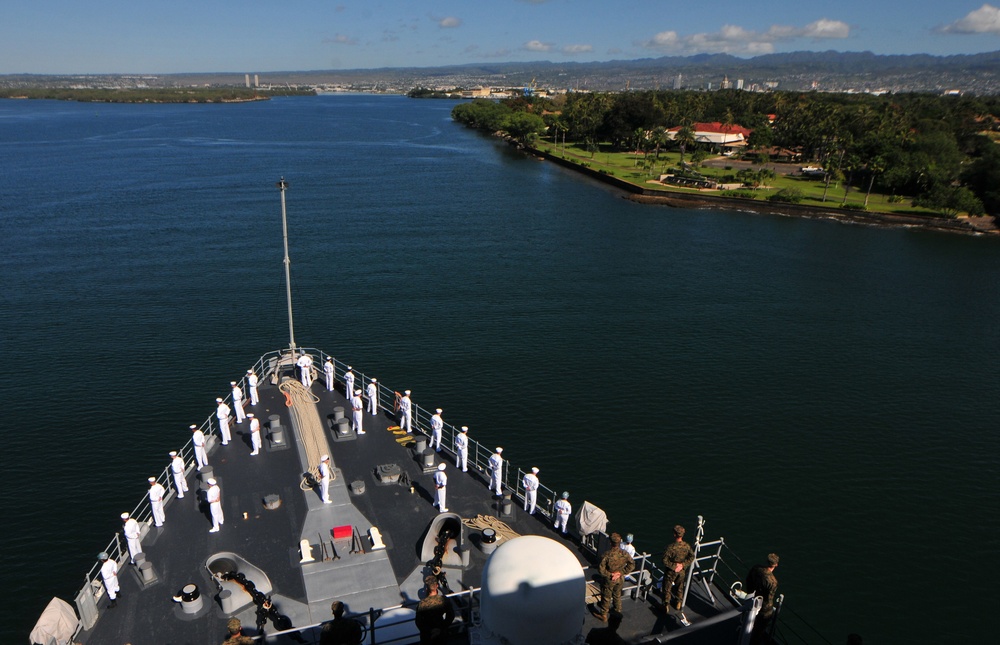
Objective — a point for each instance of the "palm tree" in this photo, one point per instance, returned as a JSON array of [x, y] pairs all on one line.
[[684, 137]]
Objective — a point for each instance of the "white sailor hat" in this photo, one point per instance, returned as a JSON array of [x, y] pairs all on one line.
[[249, 415], [534, 470], [439, 410], [325, 458], [329, 359], [250, 371], [442, 466], [407, 393], [194, 427], [349, 368], [232, 382], [465, 428], [124, 516], [374, 380], [357, 390], [211, 481], [218, 399], [173, 453], [151, 480], [499, 449]]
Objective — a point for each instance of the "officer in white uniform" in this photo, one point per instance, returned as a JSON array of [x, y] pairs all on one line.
[[252, 386], [406, 412], [530, 483], [348, 382], [372, 393], [109, 573], [238, 402], [563, 510], [325, 473], [198, 440], [222, 414], [131, 530], [305, 363], [437, 425], [177, 470], [358, 406], [462, 449], [254, 433], [156, 494], [495, 466], [440, 492], [214, 496], [329, 371]]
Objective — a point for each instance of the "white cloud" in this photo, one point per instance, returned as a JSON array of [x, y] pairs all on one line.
[[733, 39], [537, 46], [577, 49], [984, 20], [449, 23], [341, 39]]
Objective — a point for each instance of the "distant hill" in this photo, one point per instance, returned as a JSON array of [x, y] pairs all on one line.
[[824, 71]]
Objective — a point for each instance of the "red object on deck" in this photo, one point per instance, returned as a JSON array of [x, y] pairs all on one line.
[[342, 532]]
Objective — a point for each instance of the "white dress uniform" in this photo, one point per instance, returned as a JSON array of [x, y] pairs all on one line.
[[324, 479], [563, 510], [252, 387], [222, 414], [437, 425], [305, 367], [372, 393], [214, 496], [627, 548], [156, 494], [359, 410], [177, 470], [131, 530], [406, 412], [198, 441], [462, 449], [254, 434], [495, 466], [441, 488], [238, 402], [109, 573], [530, 484], [328, 371], [348, 383]]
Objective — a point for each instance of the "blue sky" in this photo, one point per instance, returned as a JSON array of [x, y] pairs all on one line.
[[114, 36]]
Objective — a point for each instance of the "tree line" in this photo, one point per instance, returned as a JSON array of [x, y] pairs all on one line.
[[939, 150]]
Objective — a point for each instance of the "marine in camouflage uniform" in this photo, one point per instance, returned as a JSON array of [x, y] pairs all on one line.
[[678, 553], [761, 582], [615, 565]]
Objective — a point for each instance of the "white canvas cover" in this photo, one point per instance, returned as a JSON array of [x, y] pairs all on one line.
[[591, 519], [57, 624]]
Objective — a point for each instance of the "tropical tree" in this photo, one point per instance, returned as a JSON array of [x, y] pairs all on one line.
[[684, 138]]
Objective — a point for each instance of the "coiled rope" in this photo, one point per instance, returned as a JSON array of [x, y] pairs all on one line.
[[481, 522], [302, 408]]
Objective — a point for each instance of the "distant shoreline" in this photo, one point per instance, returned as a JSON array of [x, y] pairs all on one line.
[[978, 227]]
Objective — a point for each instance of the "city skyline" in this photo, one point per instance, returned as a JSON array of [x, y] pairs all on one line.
[[106, 36]]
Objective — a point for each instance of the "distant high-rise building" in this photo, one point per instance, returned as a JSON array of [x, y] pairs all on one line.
[[256, 81], [246, 79], [725, 83], [739, 83], [678, 82]]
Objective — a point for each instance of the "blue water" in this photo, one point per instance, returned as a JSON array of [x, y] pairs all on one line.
[[819, 390]]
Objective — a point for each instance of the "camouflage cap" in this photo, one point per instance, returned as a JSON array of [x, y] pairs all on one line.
[[679, 531], [772, 559]]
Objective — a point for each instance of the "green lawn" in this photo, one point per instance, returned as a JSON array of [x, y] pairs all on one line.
[[640, 169]]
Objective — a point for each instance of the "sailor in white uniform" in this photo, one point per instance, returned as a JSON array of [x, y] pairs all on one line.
[[214, 496], [359, 410], [109, 573], [131, 531], [222, 414], [238, 402], [156, 494], [437, 425], [406, 412], [563, 510], [177, 470], [627, 546], [372, 393], [254, 434], [348, 382], [305, 363], [198, 441], [462, 449], [530, 483], [440, 489], [325, 473], [329, 372], [495, 467], [252, 387]]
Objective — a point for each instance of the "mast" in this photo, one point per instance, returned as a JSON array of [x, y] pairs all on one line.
[[282, 186]]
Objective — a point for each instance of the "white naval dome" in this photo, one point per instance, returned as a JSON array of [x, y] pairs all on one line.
[[533, 593]]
